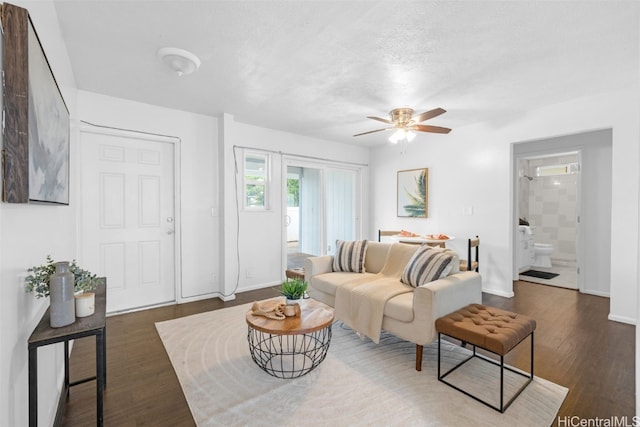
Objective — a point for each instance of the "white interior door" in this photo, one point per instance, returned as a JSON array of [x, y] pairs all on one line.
[[128, 226]]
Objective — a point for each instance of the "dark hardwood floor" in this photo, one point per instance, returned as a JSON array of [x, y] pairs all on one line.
[[575, 346], [578, 347]]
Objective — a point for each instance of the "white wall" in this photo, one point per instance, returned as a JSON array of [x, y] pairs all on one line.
[[256, 240], [198, 179], [471, 167], [27, 234]]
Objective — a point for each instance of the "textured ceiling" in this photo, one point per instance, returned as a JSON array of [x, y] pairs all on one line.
[[318, 68]]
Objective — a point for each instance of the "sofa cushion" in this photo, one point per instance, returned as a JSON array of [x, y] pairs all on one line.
[[400, 307], [399, 256], [329, 282], [426, 265], [376, 256], [350, 256], [360, 303]]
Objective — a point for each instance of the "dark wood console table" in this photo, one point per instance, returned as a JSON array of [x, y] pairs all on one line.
[[44, 334]]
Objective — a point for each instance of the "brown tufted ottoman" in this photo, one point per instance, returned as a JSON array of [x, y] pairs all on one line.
[[491, 329]]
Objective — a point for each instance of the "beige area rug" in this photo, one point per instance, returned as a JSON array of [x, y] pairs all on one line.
[[358, 384]]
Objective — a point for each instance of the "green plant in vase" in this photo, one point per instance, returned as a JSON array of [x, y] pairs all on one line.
[[38, 279], [293, 289]]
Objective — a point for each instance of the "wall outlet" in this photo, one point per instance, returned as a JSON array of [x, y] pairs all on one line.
[[467, 211], [214, 278], [249, 274]]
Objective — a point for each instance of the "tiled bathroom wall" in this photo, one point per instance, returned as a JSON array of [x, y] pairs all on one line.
[[550, 205]]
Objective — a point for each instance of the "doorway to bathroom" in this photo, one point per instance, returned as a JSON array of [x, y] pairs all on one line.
[[548, 215], [549, 169]]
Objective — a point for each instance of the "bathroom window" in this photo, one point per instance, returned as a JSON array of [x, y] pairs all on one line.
[[256, 181], [554, 170]]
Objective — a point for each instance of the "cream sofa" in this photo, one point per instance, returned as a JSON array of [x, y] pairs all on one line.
[[410, 315]]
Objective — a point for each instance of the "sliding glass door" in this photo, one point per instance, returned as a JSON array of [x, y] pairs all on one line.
[[310, 211], [341, 217], [322, 205]]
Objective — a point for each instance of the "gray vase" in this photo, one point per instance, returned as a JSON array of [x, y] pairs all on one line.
[[62, 310]]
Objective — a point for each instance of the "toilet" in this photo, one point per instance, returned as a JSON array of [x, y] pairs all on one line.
[[542, 253]]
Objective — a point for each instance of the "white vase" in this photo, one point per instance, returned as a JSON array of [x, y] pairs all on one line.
[[85, 304]]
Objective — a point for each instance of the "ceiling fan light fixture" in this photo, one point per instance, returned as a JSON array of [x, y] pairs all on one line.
[[404, 125], [395, 137], [182, 62], [402, 135]]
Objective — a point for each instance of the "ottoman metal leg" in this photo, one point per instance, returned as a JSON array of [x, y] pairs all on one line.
[[502, 407]]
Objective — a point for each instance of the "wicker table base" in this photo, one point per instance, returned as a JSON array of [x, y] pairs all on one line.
[[292, 347]]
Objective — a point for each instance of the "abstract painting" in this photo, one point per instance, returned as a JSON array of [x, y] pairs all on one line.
[[48, 130]]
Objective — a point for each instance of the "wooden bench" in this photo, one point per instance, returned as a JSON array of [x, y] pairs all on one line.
[[491, 329]]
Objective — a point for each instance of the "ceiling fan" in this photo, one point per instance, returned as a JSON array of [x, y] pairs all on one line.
[[403, 121]]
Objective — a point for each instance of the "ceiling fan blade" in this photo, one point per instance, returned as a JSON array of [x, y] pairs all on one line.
[[372, 131], [428, 115], [432, 129], [381, 120]]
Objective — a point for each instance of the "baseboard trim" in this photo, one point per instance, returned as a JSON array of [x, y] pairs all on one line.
[[225, 298], [144, 307], [199, 297], [597, 293], [622, 319], [247, 289], [498, 293]]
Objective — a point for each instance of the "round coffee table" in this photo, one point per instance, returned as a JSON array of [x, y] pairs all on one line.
[[294, 346]]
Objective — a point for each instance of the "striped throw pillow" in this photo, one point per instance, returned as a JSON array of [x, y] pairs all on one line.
[[425, 266], [350, 256]]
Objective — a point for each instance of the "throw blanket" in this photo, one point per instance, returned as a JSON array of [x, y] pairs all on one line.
[[360, 303]]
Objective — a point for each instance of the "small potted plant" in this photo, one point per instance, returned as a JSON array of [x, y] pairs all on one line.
[[84, 283], [293, 290]]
